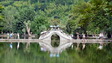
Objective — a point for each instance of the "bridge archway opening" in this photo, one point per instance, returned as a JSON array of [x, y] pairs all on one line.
[[55, 40]]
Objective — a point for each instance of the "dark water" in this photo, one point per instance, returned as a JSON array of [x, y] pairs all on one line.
[[91, 54]]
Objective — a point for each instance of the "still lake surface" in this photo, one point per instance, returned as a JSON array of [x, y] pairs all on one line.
[[33, 54]]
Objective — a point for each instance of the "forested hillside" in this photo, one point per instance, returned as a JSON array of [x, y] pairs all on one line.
[[91, 16]]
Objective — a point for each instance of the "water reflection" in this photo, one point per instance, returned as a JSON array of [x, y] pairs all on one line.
[[34, 54]]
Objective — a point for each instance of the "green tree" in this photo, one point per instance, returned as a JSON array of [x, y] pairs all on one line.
[[82, 16], [39, 24], [25, 14], [93, 16], [1, 18], [10, 18]]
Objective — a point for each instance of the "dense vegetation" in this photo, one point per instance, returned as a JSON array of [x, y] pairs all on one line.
[[91, 16]]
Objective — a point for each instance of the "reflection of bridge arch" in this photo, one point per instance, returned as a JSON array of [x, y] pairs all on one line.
[[65, 41]]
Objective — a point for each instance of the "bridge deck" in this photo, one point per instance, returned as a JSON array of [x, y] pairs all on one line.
[[73, 40], [91, 41], [20, 40]]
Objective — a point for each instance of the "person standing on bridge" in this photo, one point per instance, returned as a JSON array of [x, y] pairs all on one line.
[[101, 35], [11, 35], [8, 36]]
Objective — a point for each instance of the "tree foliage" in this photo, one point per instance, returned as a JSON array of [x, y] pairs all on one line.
[[1, 18], [94, 16]]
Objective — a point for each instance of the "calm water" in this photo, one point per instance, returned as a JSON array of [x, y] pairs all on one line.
[[33, 54]]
